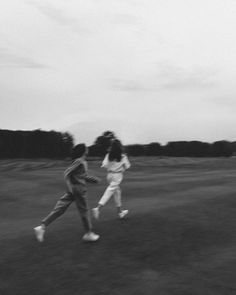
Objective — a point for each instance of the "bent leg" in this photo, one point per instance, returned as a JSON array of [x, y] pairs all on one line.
[[82, 205], [107, 194], [109, 191], [62, 204]]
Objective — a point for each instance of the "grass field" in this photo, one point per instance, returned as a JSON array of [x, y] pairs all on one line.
[[179, 238]]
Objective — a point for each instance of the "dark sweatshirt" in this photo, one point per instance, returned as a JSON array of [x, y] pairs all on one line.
[[77, 173]]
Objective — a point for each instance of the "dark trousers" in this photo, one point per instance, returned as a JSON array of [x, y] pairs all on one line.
[[80, 198]]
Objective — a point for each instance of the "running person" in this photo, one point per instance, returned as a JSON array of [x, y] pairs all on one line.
[[116, 162], [76, 177]]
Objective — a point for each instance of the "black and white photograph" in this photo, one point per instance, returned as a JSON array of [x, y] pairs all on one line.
[[117, 147]]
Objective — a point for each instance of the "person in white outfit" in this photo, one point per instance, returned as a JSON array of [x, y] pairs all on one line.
[[116, 162]]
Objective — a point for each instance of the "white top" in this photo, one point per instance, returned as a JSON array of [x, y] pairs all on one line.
[[114, 166]]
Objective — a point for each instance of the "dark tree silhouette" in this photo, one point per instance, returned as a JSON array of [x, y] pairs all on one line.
[[187, 149], [153, 149], [135, 150], [35, 144], [101, 144], [221, 148]]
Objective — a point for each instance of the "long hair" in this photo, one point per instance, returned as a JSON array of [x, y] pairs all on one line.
[[115, 151]]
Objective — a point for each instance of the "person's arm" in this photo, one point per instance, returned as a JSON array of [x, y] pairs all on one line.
[[68, 173], [72, 168], [83, 173], [69, 185], [126, 163], [92, 179], [105, 162], [79, 169], [87, 177]]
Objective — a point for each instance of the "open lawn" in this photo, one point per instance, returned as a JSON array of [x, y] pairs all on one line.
[[179, 238]]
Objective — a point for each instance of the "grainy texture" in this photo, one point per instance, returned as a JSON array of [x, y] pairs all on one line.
[[179, 238]]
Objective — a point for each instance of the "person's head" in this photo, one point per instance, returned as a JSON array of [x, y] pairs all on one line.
[[115, 151], [79, 151]]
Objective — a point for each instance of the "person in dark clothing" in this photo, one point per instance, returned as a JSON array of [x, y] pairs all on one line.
[[76, 176]]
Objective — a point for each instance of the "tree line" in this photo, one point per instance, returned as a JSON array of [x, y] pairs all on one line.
[[35, 144], [172, 149], [184, 149], [58, 145]]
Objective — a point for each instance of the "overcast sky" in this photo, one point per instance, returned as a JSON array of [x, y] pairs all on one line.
[[150, 70]]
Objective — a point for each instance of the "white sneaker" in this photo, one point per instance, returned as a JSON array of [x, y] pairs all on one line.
[[39, 232], [123, 213], [96, 213], [91, 237]]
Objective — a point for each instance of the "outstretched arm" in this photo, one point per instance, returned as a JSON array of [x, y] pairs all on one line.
[[78, 170], [92, 179]]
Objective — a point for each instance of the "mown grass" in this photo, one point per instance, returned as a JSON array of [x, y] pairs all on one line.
[[179, 238]]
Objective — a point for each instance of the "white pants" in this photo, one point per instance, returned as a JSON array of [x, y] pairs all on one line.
[[114, 180]]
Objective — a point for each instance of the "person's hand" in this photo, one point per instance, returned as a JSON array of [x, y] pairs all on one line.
[[98, 180], [92, 179]]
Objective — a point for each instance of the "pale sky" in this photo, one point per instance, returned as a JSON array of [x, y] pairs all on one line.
[[149, 70]]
